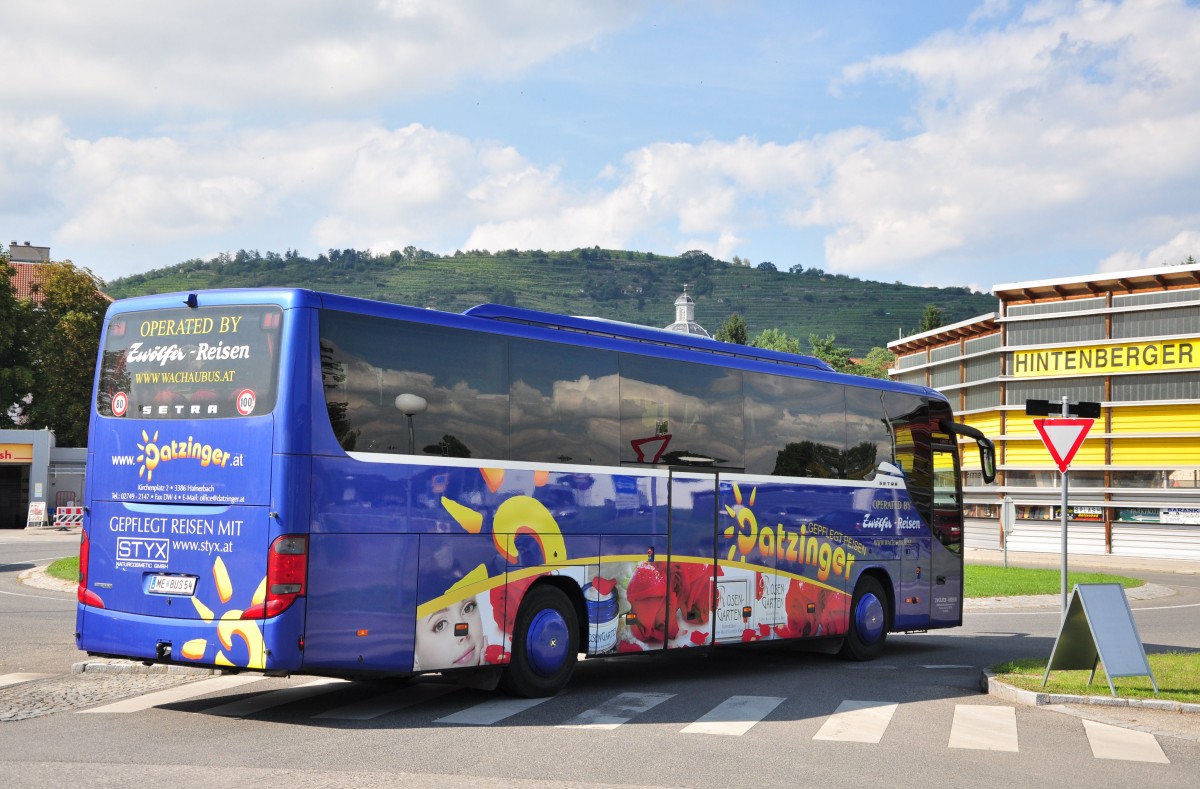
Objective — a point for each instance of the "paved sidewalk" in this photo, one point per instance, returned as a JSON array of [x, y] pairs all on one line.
[[1104, 563]]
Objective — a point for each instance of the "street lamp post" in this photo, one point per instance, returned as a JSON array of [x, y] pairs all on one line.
[[410, 405]]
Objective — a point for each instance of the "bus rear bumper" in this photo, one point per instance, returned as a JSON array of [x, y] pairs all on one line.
[[256, 644]]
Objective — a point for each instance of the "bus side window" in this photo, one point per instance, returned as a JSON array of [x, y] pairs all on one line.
[[794, 427]]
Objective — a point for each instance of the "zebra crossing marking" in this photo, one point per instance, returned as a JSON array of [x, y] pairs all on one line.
[[255, 704], [735, 716], [1114, 742], [171, 695], [858, 721], [974, 726], [18, 678], [984, 728], [375, 706], [490, 712], [617, 710]]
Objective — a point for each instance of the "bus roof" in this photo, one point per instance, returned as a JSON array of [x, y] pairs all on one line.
[[647, 334]]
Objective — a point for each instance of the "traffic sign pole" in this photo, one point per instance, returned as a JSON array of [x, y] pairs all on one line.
[[1062, 438], [1065, 479]]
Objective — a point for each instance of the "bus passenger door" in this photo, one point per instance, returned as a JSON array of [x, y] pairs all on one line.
[[691, 542]]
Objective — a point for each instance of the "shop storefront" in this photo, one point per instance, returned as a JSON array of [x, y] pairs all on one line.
[[33, 471], [1130, 341]]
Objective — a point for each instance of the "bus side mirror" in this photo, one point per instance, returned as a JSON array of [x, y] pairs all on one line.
[[987, 450], [987, 459]]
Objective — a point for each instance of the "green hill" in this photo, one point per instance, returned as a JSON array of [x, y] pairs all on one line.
[[636, 287]]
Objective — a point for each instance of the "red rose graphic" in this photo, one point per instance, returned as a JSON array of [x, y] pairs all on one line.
[[647, 596], [800, 622], [505, 600], [691, 585], [833, 609]]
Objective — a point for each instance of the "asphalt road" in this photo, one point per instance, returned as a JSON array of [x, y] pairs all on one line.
[[922, 693]]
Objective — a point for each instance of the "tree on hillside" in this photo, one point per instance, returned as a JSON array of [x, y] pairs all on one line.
[[931, 319], [776, 340], [16, 379], [875, 364], [63, 339], [733, 330], [827, 350]]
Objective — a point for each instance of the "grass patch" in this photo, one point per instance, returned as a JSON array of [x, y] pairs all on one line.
[[1177, 675], [67, 569], [985, 580]]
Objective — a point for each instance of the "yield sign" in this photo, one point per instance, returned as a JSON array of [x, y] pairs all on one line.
[[1063, 437]]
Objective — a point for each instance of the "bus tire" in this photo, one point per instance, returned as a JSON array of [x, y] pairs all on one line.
[[544, 646], [869, 621]]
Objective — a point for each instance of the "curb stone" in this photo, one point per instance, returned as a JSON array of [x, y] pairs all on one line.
[[117, 666], [38, 579], [1002, 690]]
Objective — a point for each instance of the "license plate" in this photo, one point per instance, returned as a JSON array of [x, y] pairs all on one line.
[[173, 584]]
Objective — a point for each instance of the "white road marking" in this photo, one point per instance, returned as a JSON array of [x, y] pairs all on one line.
[[617, 710], [984, 728], [735, 716], [171, 695], [1114, 742], [275, 698], [858, 721], [16, 679], [490, 712], [948, 665]]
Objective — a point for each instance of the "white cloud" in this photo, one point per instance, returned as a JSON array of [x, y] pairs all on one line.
[[1068, 124], [1184, 245], [1076, 122], [219, 55]]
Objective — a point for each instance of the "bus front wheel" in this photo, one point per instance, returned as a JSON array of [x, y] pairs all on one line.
[[869, 621], [544, 646]]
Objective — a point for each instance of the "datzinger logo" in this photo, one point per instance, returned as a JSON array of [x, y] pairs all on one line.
[[154, 454], [830, 552]]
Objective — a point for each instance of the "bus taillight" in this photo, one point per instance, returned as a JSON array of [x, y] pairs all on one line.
[[287, 572], [85, 595]]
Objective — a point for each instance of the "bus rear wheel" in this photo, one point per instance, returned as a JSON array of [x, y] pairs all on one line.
[[544, 646], [869, 622]]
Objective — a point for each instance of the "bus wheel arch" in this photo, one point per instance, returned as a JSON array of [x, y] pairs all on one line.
[[545, 642], [870, 618]]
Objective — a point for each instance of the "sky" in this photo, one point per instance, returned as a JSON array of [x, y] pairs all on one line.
[[930, 142]]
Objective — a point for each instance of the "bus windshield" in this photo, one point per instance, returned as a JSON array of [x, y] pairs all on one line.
[[191, 363]]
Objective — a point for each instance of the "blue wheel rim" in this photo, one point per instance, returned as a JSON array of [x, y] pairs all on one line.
[[547, 642], [868, 618]]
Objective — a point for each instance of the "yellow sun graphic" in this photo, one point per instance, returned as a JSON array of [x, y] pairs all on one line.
[[229, 624], [743, 516], [142, 457]]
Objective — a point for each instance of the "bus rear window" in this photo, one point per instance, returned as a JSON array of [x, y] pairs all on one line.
[[202, 363]]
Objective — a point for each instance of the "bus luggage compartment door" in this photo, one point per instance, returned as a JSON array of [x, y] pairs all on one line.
[[912, 604]]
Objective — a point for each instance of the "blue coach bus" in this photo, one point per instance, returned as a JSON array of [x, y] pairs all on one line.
[[291, 481]]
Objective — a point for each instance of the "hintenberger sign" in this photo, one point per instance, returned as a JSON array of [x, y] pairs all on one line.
[[1106, 359]]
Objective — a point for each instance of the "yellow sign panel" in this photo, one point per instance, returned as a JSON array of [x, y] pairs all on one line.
[[1104, 359], [16, 453]]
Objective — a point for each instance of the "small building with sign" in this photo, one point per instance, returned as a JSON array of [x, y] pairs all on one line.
[[1129, 341], [33, 470]]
